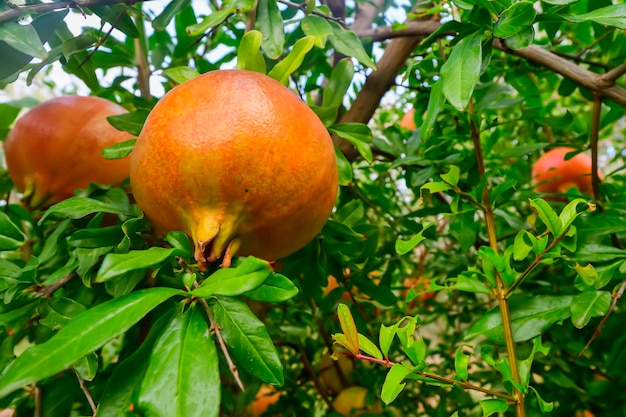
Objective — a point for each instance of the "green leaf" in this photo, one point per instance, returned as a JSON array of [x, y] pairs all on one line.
[[317, 27], [12, 59], [452, 176], [292, 61], [131, 122], [547, 216], [530, 316], [270, 22], [247, 276], [78, 207], [23, 38], [515, 19], [117, 15], [348, 43], [521, 246], [210, 21], [589, 304], [521, 39], [614, 15], [182, 378], [571, 212], [82, 335], [180, 74], [386, 336], [369, 347], [11, 237], [436, 100], [348, 327], [493, 405], [118, 264], [121, 386], [544, 406], [275, 289], [393, 384], [461, 72], [119, 150], [435, 187], [338, 83], [461, 361], [172, 9], [405, 246], [247, 340], [357, 134], [468, 284], [344, 167], [87, 367], [249, 55]]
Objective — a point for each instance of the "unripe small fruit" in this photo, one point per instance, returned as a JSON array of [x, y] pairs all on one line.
[[408, 120], [239, 163], [266, 396], [352, 401], [553, 174], [56, 148]]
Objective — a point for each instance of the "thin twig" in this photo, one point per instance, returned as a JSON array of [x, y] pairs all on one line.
[[17, 11], [104, 38], [465, 385], [215, 328], [48, 290], [83, 387], [313, 375], [303, 8], [612, 76], [615, 298], [500, 290], [38, 409]]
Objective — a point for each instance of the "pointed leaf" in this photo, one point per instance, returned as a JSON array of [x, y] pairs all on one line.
[[614, 15], [283, 70], [338, 83], [348, 326], [249, 55], [460, 73], [11, 237], [83, 334], [270, 22], [393, 384], [172, 9], [78, 207], [589, 304], [436, 100], [348, 43], [247, 276], [118, 264], [182, 378], [515, 19], [494, 405], [275, 289], [23, 38], [318, 27], [369, 347], [247, 340], [547, 216]]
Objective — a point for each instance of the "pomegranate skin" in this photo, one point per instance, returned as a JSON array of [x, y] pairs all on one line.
[[239, 163], [56, 148], [553, 174]]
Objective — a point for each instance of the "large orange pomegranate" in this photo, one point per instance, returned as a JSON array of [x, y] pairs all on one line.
[[239, 163], [56, 148], [553, 174]]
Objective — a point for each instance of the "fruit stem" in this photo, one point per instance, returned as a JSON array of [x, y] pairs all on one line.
[[500, 290]]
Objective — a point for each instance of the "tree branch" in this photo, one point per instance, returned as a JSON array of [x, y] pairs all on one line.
[[601, 84], [16, 12]]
